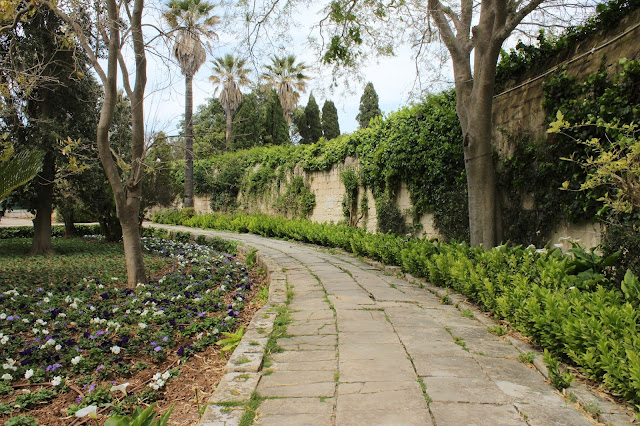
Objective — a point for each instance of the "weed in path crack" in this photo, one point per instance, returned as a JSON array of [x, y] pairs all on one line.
[[497, 330], [460, 342], [427, 398], [527, 358], [251, 409], [468, 314]]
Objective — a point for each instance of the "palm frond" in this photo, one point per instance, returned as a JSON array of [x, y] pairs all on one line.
[[18, 170]]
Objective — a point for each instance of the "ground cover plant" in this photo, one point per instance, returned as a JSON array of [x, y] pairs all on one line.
[[568, 304], [73, 336]]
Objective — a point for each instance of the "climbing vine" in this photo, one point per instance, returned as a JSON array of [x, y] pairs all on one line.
[[530, 59]]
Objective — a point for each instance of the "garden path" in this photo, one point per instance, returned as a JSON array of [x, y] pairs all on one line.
[[365, 347]]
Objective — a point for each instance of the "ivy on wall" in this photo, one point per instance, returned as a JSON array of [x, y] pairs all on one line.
[[419, 145], [528, 59], [538, 168]]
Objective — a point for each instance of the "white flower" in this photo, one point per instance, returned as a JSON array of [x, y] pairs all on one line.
[[90, 411], [45, 332], [166, 375], [76, 360], [4, 339], [62, 315], [93, 308], [199, 336], [7, 376], [39, 321], [122, 388], [74, 305], [142, 325], [35, 330], [56, 381], [115, 349], [3, 316], [46, 300], [58, 347], [28, 374], [9, 365], [557, 245], [24, 320]]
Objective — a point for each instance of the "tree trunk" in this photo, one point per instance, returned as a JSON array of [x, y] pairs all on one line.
[[188, 143], [69, 225], [41, 243], [132, 247], [229, 130]]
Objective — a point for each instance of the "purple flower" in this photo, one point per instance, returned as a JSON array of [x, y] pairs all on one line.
[[153, 344], [100, 367], [157, 348], [180, 351], [165, 339]]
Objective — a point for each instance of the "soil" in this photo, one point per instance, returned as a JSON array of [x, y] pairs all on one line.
[[188, 393]]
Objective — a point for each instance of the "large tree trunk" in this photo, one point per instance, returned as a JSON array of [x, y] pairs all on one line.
[[132, 246], [188, 143], [41, 243], [69, 225], [229, 129]]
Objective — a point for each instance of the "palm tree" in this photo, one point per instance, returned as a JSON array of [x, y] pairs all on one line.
[[230, 73], [190, 20], [288, 79]]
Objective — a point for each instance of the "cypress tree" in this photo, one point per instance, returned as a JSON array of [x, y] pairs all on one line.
[[368, 106], [247, 123], [330, 125], [276, 129], [300, 123], [312, 114]]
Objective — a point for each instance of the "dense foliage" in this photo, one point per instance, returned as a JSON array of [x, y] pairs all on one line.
[[528, 59], [369, 108], [551, 171], [563, 302], [330, 124], [66, 322], [418, 145]]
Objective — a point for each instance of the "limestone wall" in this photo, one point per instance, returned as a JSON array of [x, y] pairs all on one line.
[[518, 108]]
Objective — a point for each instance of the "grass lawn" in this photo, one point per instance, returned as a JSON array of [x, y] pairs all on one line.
[[72, 334]]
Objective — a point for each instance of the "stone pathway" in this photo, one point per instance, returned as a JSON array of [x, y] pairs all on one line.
[[367, 348]]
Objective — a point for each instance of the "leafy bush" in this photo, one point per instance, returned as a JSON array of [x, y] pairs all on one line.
[[56, 231]]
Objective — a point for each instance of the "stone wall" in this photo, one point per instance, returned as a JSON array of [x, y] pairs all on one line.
[[518, 108]]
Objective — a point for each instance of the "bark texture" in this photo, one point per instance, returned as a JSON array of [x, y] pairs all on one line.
[[41, 243], [188, 142]]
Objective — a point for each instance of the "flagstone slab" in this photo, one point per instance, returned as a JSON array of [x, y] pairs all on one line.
[[464, 389], [300, 343], [540, 414], [295, 420], [383, 417], [320, 407], [466, 414], [302, 356], [451, 366]]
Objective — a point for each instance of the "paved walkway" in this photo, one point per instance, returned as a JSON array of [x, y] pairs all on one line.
[[368, 348]]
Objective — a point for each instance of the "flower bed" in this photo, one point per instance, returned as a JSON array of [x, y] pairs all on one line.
[[79, 341]]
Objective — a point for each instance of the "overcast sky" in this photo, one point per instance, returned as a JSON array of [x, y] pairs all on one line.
[[394, 78]]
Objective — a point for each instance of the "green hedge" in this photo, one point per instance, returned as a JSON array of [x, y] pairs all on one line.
[[56, 231], [564, 303]]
